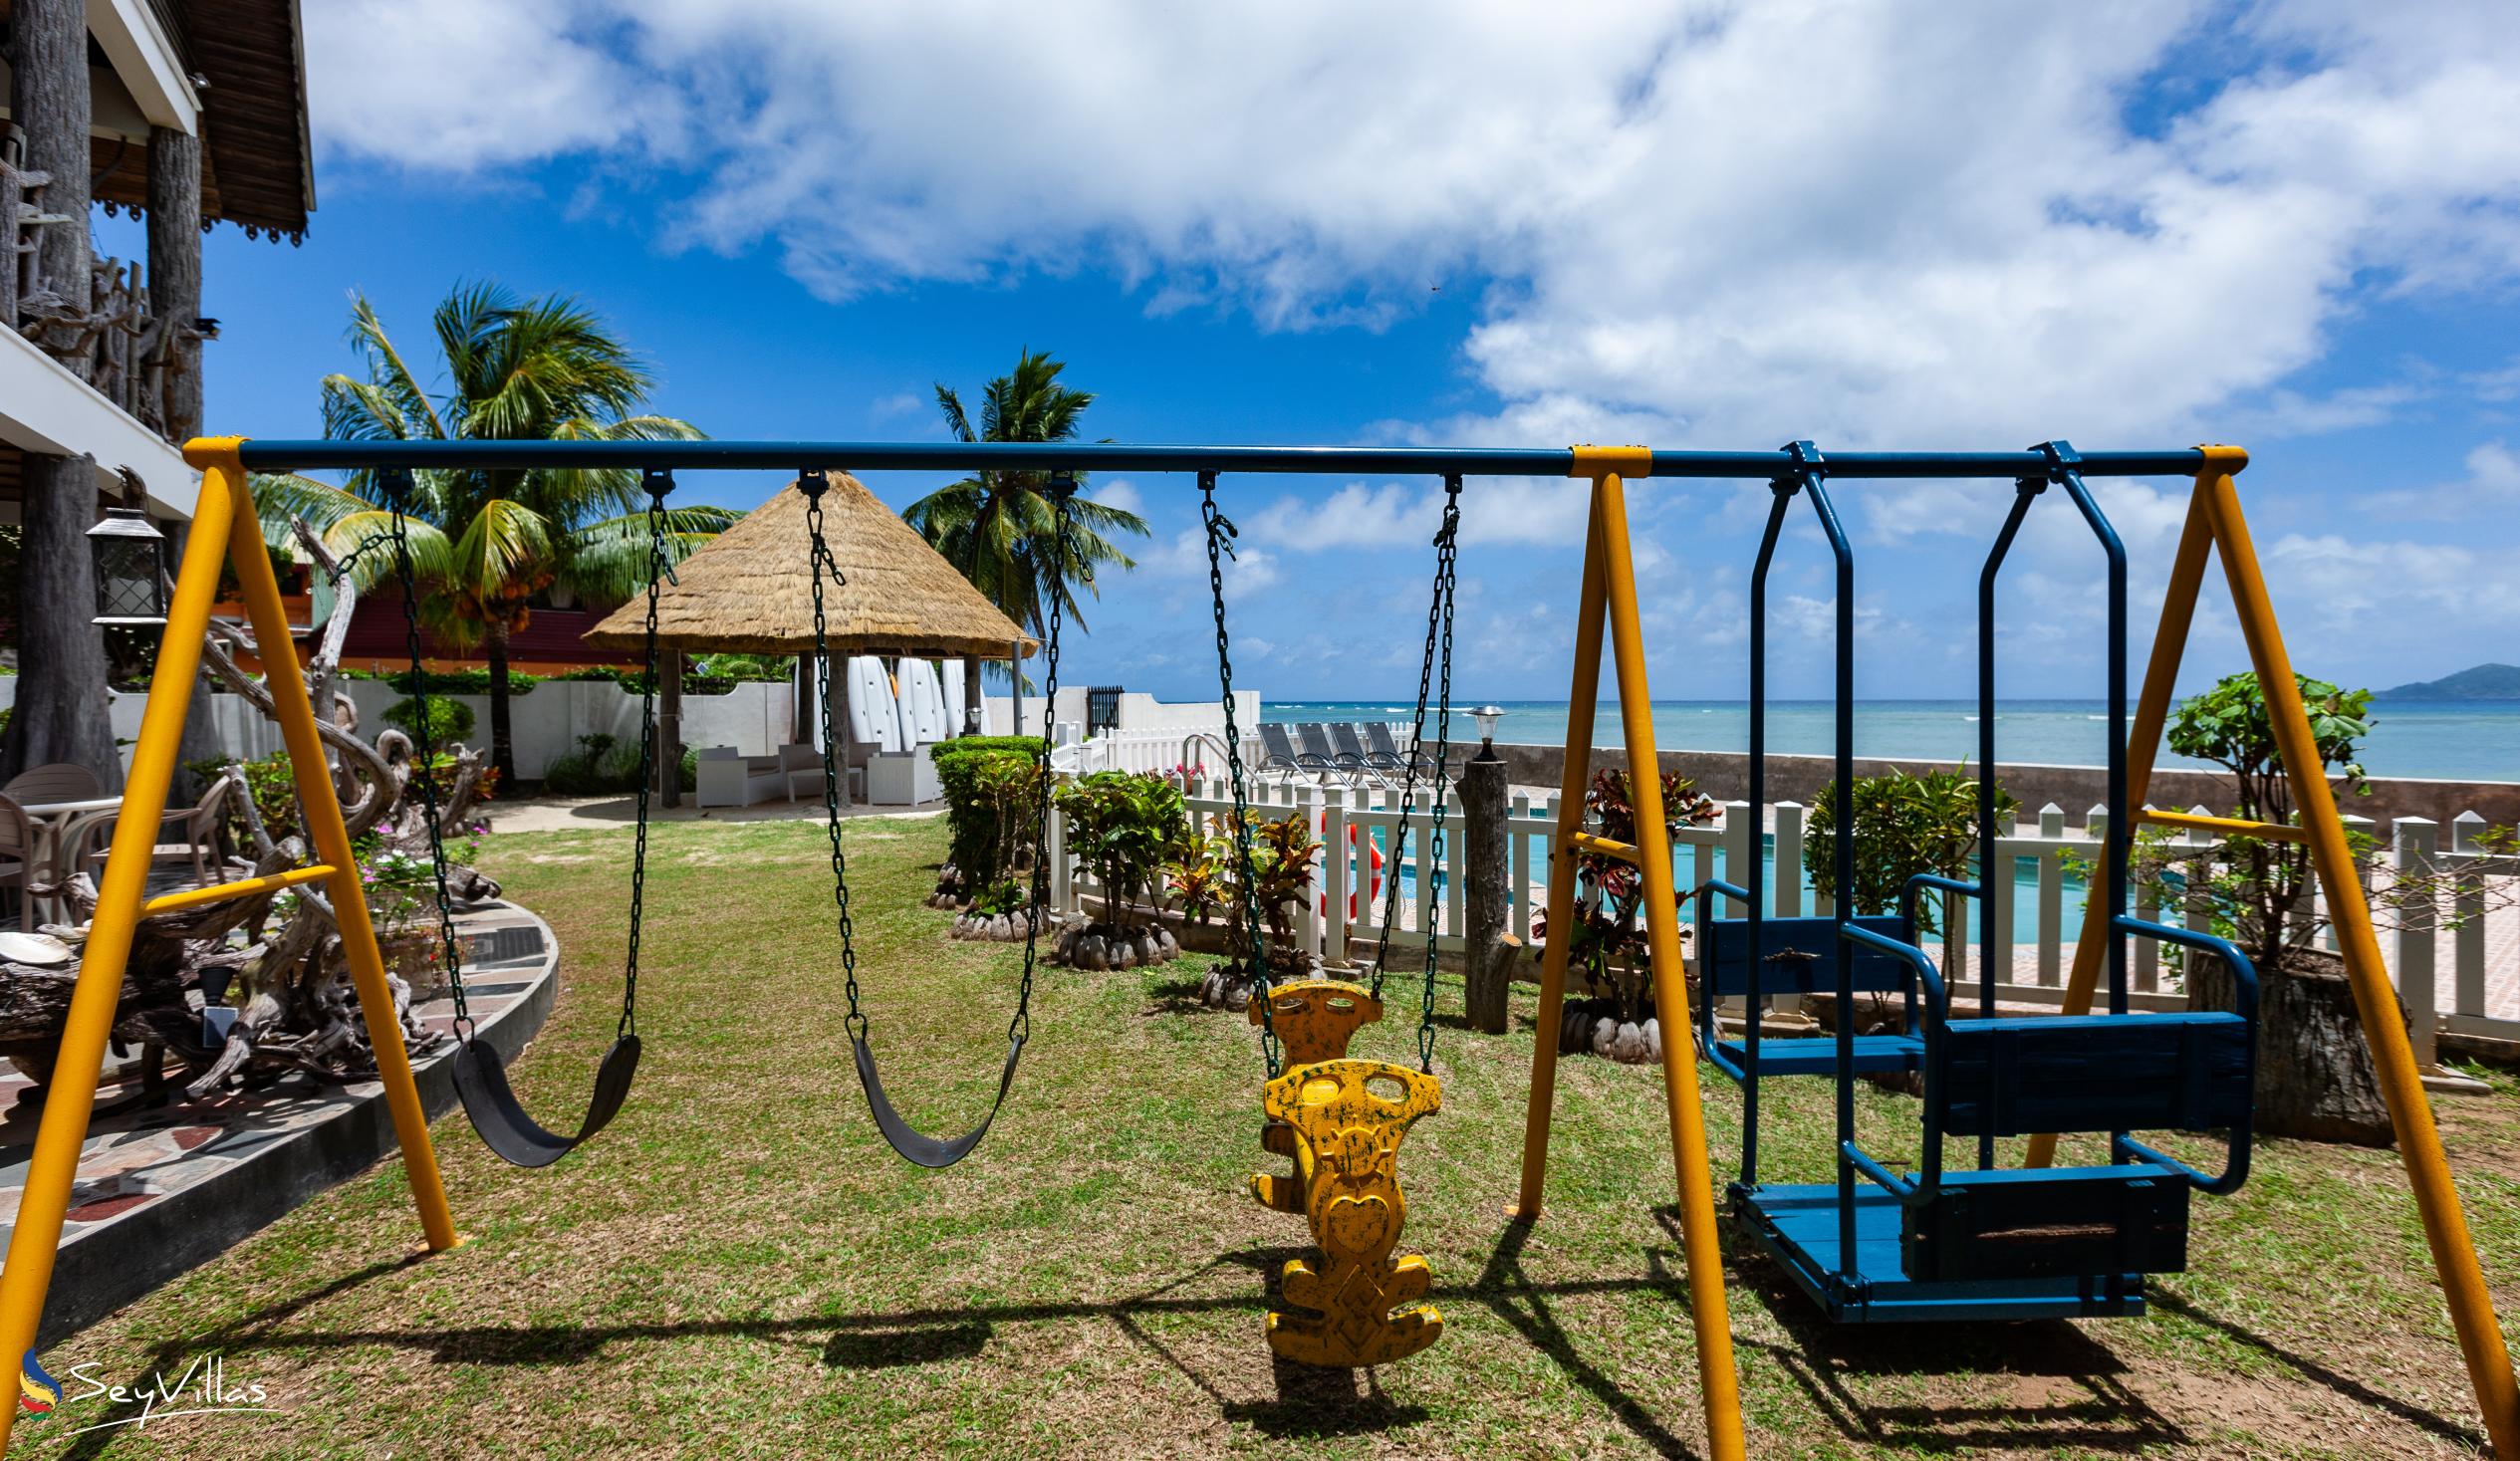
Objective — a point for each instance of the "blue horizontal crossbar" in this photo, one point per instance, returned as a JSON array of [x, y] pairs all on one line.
[[1816, 1054], [959, 456]]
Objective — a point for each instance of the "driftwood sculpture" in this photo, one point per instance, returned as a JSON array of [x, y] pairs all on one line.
[[281, 953]]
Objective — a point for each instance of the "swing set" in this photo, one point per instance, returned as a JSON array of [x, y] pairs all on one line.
[[1976, 1242]]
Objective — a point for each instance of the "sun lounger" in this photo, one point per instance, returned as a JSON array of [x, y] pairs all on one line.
[[1279, 753], [1373, 763], [1315, 737], [1379, 738]]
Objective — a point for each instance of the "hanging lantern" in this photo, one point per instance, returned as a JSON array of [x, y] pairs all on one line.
[[130, 559]]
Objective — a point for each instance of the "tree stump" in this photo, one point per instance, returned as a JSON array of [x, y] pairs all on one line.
[[2315, 1078]]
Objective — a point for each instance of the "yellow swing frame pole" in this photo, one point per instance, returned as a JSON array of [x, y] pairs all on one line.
[[2215, 519], [225, 528], [1610, 591]]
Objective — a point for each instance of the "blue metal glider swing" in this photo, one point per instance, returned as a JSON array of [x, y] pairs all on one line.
[[1975, 1243]]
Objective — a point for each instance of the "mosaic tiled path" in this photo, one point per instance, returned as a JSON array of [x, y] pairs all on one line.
[[162, 1189]]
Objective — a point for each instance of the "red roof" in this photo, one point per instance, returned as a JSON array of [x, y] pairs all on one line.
[[550, 637]]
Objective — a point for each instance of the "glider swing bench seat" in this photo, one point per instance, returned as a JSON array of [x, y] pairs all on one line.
[[1996, 1243]]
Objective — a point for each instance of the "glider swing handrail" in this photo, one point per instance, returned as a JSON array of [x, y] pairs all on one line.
[[2244, 999], [2244, 985], [313, 455], [1852, 1159]]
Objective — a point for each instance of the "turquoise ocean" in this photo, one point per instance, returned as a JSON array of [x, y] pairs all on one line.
[[2473, 740]]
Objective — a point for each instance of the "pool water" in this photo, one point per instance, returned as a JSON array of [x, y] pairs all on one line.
[[2025, 887]]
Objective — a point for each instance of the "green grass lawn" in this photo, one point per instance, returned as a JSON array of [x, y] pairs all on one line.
[[739, 1267]]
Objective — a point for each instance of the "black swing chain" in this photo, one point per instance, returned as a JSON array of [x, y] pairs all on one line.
[[656, 484], [1220, 535], [1063, 490], [1447, 559], [813, 483], [396, 485], [1438, 623]]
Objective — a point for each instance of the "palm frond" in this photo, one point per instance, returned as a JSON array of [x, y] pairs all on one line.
[[387, 371], [501, 552], [281, 498], [956, 422]]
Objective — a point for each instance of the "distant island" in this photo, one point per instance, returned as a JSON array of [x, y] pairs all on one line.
[[2483, 682]]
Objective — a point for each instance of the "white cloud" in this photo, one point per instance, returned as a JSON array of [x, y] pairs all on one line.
[[1884, 249], [2391, 602], [1119, 494], [1513, 512], [2492, 482], [1185, 557], [459, 85]]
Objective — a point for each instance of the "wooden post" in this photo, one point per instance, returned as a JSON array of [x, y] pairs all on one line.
[[971, 725], [670, 727], [1487, 958], [175, 273]]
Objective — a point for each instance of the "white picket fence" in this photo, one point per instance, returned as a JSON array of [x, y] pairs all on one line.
[[1161, 751], [2032, 923]]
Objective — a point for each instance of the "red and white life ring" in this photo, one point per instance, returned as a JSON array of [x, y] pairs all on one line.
[[1322, 899]]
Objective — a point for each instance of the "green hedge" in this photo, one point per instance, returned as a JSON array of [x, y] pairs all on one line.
[[971, 821], [449, 720], [466, 681]]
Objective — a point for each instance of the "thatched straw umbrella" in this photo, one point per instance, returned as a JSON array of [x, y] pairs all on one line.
[[751, 591]]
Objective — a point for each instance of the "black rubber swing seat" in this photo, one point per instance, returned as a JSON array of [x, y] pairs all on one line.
[[917, 1145], [490, 1103]]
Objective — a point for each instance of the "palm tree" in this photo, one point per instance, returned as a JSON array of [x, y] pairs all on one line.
[[998, 527], [485, 542]]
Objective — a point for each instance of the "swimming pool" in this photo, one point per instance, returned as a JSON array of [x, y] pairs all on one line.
[[2025, 883]]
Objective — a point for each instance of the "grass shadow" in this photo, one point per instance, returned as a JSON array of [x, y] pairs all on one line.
[[1513, 1298], [899, 1349], [2312, 1371], [1177, 997], [2015, 1373], [1316, 1404]]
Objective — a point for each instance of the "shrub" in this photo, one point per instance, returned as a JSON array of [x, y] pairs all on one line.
[[1903, 824], [989, 792], [1607, 943], [1282, 870], [1126, 826], [2250, 884], [449, 720], [604, 765]]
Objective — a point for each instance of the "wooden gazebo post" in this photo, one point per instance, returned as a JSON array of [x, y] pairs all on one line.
[[670, 727]]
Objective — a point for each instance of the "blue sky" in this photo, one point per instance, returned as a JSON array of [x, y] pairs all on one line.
[[1956, 226]]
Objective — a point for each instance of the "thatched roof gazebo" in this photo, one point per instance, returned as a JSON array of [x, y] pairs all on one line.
[[751, 591]]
